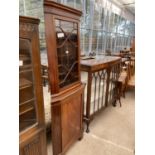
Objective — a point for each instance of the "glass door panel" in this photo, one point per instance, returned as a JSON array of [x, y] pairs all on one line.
[[67, 52], [27, 114]]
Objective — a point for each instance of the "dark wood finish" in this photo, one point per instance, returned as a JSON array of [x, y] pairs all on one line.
[[67, 110], [88, 99], [98, 63], [63, 48], [120, 87], [107, 86], [32, 137], [102, 71]]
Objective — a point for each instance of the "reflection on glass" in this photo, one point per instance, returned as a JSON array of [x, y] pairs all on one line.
[[67, 52], [94, 41], [27, 116], [100, 42], [85, 40], [97, 16]]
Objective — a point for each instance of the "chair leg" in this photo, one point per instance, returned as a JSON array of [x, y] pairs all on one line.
[[120, 93], [124, 93], [120, 102]]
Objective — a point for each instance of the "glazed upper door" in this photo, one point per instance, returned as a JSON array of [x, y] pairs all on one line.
[[67, 51], [27, 100]]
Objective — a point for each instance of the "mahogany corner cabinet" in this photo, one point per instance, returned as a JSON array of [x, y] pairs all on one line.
[[63, 49]]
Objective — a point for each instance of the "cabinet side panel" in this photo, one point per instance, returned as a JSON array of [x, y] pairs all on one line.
[[56, 129]]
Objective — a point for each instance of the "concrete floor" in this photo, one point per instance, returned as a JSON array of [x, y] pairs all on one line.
[[112, 132]]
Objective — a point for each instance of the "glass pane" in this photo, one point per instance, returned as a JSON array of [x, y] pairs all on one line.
[[100, 42], [127, 28], [94, 41], [27, 114], [121, 25], [67, 52], [97, 16], [85, 40], [78, 4], [118, 43], [111, 22], [113, 40], [116, 19], [72, 3], [107, 21], [108, 42]]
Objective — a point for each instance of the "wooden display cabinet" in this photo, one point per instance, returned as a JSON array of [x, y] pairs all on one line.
[[63, 48], [32, 135]]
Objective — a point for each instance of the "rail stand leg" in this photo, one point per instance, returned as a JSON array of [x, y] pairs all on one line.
[[120, 102], [87, 129], [114, 103]]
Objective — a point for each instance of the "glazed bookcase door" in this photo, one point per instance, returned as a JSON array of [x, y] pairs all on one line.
[[67, 51], [27, 111]]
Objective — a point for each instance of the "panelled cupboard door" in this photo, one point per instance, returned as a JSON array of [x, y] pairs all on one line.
[[32, 135], [34, 145]]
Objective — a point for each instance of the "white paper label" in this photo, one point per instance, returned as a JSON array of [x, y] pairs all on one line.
[[20, 63], [60, 35], [66, 52]]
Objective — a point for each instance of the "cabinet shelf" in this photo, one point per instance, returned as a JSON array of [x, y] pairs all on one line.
[[25, 106], [26, 111], [26, 123], [24, 83], [24, 57], [30, 100], [25, 68]]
